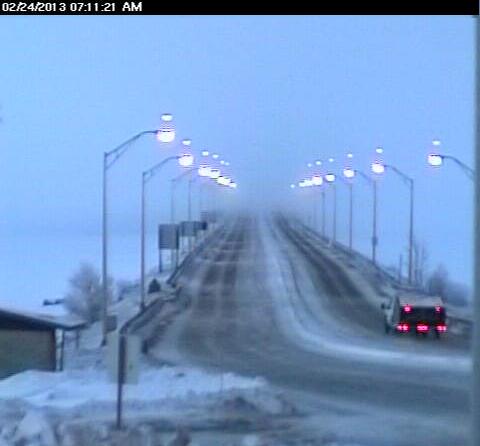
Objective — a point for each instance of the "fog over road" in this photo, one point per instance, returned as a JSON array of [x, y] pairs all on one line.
[[271, 299]]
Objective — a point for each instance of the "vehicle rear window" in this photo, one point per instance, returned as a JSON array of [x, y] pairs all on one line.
[[423, 314]]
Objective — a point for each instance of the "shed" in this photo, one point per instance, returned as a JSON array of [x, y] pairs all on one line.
[[33, 341]]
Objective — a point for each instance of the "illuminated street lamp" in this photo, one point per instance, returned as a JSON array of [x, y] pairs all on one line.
[[205, 153], [214, 173], [330, 177], [317, 180], [215, 156], [436, 159], [165, 134], [349, 173], [204, 170], [185, 160], [379, 168], [292, 186]]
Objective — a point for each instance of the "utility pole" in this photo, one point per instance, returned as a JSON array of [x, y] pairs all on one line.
[[374, 226]]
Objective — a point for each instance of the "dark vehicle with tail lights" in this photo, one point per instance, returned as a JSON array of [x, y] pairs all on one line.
[[410, 313]]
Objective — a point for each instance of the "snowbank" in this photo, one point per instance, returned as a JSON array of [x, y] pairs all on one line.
[[75, 388]]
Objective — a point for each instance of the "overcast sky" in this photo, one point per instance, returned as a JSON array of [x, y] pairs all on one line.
[[268, 93]]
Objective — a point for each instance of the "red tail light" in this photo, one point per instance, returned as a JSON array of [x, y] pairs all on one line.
[[441, 328], [403, 327], [407, 308], [438, 309], [423, 328]]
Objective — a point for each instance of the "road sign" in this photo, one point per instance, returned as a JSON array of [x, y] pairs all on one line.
[[187, 228], [168, 236], [131, 358]]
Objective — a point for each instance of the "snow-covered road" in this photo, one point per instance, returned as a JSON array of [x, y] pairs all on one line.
[[266, 303]]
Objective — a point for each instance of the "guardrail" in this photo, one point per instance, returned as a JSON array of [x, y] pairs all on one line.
[[458, 323], [188, 259]]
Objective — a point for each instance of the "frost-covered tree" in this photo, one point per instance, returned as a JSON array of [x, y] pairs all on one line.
[[438, 281], [85, 295]]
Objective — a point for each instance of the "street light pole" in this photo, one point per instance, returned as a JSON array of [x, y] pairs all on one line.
[[147, 176], [372, 183], [374, 225], [173, 183], [347, 178], [334, 213], [350, 232], [323, 212], [410, 182], [436, 160], [109, 159]]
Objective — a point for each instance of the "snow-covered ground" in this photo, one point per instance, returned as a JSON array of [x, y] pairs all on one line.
[[64, 408]]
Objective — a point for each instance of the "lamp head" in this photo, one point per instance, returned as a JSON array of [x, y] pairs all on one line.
[[166, 132], [185, 160], [349, 173], [330, 177], [317, 180], [214, 173], [435, 160], [378, 168]]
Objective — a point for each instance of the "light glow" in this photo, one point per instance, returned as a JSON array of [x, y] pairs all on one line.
[[204, 171], [205, 153], [292, 186], [379, 150], [435, 160], [167, 117], [187, 142], [318, 163], [348, 172], [330, 177], [378, 168], [403, 327], [214, 173], [185, 160], [166, 134], [215, 156], [407, 308], [317, 180], [436, 142]]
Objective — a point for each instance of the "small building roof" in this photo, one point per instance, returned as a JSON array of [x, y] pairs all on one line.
[[48, 321]]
